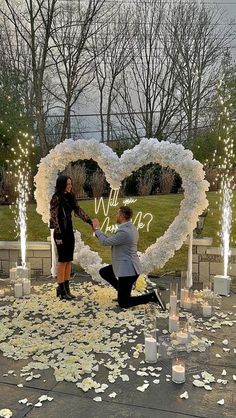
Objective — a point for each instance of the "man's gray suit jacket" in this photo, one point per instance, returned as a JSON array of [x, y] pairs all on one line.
[[125, 260]]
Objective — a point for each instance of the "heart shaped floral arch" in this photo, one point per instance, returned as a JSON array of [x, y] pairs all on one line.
[[116, 169]]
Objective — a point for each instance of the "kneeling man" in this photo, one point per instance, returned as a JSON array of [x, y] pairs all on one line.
[[126, 267]]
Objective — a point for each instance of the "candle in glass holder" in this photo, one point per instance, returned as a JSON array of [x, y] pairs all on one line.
[[173, 301], [26, 287], [173, 323], [13, 273], [184, 294], [191, 327], [150, 350], [178, 371], [18, 289], [206, 309], [187, 303], [2, 293], [173, 296], [182, 336]]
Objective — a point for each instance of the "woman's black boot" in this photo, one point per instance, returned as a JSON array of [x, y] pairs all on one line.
[[67, 286], [63, 293]]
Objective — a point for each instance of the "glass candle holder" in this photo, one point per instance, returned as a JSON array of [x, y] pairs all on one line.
[[26, 283], [150, 334], [206, 309], [191, 327], [182, 334], [178, 370], [18, 289], [173, 321], [173, 296], [13, 271], [23, 272], [164, 346], [184, 295], [207, 291]]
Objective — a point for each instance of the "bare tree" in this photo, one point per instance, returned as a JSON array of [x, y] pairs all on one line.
[[32, 21], [111, 47], [71, 54], [147, 98], [199, 40]]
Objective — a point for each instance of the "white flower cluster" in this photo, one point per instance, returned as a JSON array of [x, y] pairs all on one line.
[[116, 169]]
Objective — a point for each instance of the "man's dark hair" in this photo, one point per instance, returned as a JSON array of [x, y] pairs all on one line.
[[126, 212]]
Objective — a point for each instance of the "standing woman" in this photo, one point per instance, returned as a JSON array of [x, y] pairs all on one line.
[[62, 204]]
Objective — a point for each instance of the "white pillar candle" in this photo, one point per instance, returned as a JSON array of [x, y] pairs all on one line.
[[13, 273], [184, 293], [178, 373], [26, 287], [173, 323], [187, 304], [189, 281], [18, 289], [206, 310], [173, 302], [2, 293], [182, 337], [150, 350]]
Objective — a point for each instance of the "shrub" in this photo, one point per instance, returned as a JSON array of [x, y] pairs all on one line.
[[167, 177], [145, 182], [98, 183]]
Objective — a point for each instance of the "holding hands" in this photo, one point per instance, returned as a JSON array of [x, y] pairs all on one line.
[[96, 224]]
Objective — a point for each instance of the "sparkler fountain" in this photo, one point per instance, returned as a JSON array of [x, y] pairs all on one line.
[[21, 171], [222, 282]]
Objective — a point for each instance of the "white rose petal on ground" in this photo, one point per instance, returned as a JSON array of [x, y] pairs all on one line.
[[5, 413], [224, 372], [156, 381], [97, 399], [234, 377], [225, 342], [20, 385], [184, 395], [218, 355], [23, 401], [198, 383], [221, 402], [112, 395], [38, 404], [124, 377], [208, 387]]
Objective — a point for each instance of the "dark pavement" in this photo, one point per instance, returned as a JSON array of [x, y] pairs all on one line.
[[158, 400]]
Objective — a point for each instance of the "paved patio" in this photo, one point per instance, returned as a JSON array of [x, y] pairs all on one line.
[[158, 400]]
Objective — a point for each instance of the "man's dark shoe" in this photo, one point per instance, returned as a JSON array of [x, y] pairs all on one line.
[[159, 300]]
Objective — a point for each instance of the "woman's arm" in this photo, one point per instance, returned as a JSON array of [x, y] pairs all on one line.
[[54, 222], [80, 213]]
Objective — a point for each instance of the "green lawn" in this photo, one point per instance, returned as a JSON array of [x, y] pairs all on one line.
[[163, 208]]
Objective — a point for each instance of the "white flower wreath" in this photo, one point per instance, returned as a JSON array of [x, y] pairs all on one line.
[[116, 169]]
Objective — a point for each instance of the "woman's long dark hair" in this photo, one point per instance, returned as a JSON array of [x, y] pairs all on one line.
[[61, 184]]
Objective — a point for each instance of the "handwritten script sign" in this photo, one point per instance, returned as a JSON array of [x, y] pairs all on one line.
[[141, 220]]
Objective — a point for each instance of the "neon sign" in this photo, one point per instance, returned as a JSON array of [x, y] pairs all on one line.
[[140, 221]]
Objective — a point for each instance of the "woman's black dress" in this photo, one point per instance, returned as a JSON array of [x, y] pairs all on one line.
[[61, 208]]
